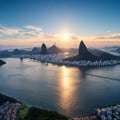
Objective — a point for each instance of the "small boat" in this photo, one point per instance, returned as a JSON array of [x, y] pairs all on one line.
[[21, 58]]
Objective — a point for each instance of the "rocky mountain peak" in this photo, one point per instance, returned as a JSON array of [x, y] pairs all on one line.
[[43, 49], [82, 48]]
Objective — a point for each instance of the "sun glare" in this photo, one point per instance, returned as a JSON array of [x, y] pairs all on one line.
[[66, 36]]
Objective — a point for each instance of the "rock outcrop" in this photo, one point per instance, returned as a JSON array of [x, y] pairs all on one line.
[[43, 49], [2, 62], [83, 54]]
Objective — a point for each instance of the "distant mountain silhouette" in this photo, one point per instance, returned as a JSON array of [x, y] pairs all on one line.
[[117, 50], [114, 49], [16, 51], [54, 50], [2, 62], [85, 54], [35, 50], [19, 51], [104, 55], [43, 49]]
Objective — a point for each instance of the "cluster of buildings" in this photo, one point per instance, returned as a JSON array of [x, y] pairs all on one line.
[[109, 113], [59, 59], [93, 117], [8, 111], [83, 58]]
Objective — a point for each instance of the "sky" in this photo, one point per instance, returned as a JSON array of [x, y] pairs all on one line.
[[28, 23]]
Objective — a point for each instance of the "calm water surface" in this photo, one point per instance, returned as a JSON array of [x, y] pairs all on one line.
[[70, 91]]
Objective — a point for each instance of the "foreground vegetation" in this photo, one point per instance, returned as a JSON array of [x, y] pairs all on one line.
[[22, 112], [32, 113], [40, 114]]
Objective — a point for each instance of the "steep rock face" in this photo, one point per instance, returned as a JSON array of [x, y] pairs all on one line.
[[83, 54], [43, 49], [92, 55], [82, 49], [2, 62]]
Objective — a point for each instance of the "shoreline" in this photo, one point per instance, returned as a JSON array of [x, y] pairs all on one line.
[[33, 112], [110, 111], [58, 59], [81, 115]]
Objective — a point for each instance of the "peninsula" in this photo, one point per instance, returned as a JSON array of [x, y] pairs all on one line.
[[2, 62]]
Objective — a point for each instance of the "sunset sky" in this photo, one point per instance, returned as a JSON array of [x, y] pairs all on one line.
[[26, 23]]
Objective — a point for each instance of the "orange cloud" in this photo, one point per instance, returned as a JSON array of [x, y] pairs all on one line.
[[34, 36]]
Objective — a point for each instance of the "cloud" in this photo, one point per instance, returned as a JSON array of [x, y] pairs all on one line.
[[8, 31], [108, 31], [30, 27], [49, 36], [32, 35], [110, 36], [27, 32]]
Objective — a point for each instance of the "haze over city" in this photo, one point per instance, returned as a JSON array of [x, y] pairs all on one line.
[[28, 23]]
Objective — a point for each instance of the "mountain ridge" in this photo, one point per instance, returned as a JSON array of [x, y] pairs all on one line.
[[90, 55]]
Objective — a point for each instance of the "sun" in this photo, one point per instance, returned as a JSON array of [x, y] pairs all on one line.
[[65, 36]]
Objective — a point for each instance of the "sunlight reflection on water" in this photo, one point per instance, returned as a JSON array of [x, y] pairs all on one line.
[[68, 90]]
